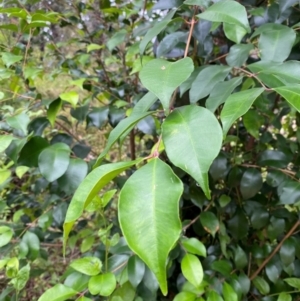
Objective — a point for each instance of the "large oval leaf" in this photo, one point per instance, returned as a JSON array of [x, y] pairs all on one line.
[[193, 137], [54, 161], [59, 292], [228, 12], [89, 188], [291, 94], [149, 215], [192, 269], [162, 77], [237, 105]]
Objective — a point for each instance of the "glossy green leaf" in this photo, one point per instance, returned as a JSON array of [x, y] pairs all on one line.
[[59, 292], [251, 183], [162, 77], [237, 105], [238, 54], [272, 272], [74, 175], [33, 243], [291, 94], [155, 30], [72, 97], [293, 282], [228, 12], [6, 235], [19, 122], [273, 158], [150, 233], [202, 3], [194, 246], [209, 222], [284, 297], [89, 188], [169, 42], [289, 192], [124, 293], [213, 296], [90, 266], [54, 160], [53, 109], [30, 152], [224, 267], [234, 33], [253, 121], [5, 141], [124, 127], [287, 252], [275, 45], [187, 144], [185, 296], [228, 292], [240, 258], [221, 92], [206, 80], [234, 225], [103, 284], [262, 285], [192, 269], [136, 270]]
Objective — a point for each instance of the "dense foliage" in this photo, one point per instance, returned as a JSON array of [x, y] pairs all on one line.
[[149, 150]]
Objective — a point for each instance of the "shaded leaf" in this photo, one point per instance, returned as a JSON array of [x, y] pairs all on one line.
[[19, 122], [251, 183], [237, 105], [209, 222], [136, 270], [238, 54]]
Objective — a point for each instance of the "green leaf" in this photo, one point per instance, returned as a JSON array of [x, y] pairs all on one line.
[[206, 80], [74, 175], [162, 77], [19, 122], [5, 141], [209, 222], [262, 285], [289, 193], [276, 44], [54, 160], [185, 296], [234, 225], [6, 235], [136, 270], [22, 277], [291, 94], [192, 269], [236, 105], [21, 170], [90, 266], [221, 92], [103, 284], [30, 152], [253, 121], [273, 158], [293, 282], [228, 293], [192, 137], [72, 97], [116, 39], [89, 188], [213, 296], [169, 42], [234, 33], [155, 30], [202, 3], [33, 243], [238, 54], [59, 292], [251, 183], [240, 258], [287, 252], [92, 47], [228, 12], [224, 267], [9, 58], [194, 246], [284, 297], [272, 272], [53, 109], [150, 233], [125, 126]]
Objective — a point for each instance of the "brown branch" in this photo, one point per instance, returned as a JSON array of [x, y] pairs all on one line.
[[292, 230]]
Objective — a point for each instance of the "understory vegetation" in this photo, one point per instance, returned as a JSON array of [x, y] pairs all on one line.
[[149, 150]]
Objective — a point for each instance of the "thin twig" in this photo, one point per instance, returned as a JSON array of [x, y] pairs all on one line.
[[292, 230]]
